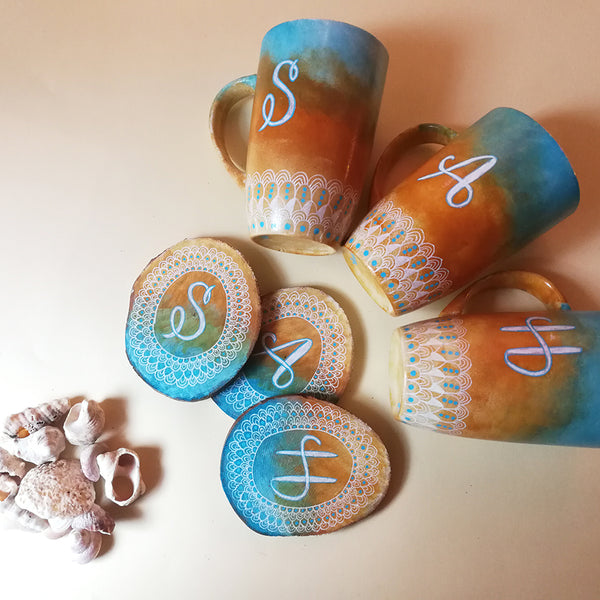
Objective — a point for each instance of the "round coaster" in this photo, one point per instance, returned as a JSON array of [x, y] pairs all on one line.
[[304, 347], [300, 466], [194, 318]]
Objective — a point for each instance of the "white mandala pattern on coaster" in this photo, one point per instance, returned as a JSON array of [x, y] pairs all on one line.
[[437, 376], [275, 416], [333, 360], [390, 245], [296, 203], [185, 372]]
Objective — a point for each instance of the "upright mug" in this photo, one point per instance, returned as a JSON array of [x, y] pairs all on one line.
[[492, 189], [317, 94], [522, 376]]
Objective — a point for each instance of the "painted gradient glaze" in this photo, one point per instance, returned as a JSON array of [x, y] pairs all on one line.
[[194, 316], [489, 191], [295, 465], [312, 165], [491, 377], [304, 347]]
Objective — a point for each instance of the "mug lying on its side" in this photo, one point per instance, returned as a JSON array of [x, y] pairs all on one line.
[[523, 377]]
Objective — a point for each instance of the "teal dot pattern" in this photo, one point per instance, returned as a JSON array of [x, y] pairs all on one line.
[[389, 244], [436, 377], [284, 203]]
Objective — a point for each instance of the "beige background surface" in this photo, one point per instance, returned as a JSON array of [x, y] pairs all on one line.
[[106, 159]]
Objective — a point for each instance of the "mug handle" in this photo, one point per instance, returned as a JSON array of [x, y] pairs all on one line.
[[426, 133], [224, 101], [532, 283]]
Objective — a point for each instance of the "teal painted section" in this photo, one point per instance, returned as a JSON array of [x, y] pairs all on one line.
[[324, 46], [541, 187], [584, 426]]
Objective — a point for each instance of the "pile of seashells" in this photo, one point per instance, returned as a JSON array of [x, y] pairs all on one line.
[[57, 496]]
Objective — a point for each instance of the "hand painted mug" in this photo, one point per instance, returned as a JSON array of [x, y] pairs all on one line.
[[317, 94], [523, 377], [492, 189]]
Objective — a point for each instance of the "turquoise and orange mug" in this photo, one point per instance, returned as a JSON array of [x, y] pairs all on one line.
[[317, 94], [513, 376], [492, 189]]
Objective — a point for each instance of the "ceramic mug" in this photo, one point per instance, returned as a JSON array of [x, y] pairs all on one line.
[[492, 189], [317, 94], [522, 376]]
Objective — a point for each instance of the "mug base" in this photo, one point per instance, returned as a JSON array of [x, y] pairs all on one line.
[[294, 244], [397, 374], [369, 281]]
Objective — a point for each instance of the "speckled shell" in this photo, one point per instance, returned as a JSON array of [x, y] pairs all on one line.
[[44, 445], [57, 489], [11, 465], [121, 463], [32, 419], [84, 545], [84, 423], [21, 516]]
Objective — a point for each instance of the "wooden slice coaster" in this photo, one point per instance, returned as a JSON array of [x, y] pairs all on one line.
[[194, 317], [296, 465], [304, 347]]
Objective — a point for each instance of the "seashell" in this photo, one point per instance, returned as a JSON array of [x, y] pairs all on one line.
[[8, 486], [119, 464], [58, 489], [58, 526], [84, 423], [44, 445], [23, 517], [11, 465], [30, 420], [85, 545], [96, 519], [89, 464]]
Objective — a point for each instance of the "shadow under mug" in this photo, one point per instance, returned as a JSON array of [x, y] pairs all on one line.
[[492, 189], [522, 376], [317, 94]]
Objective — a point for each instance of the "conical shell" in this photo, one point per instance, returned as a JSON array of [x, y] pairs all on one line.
[[84, 423], [23, 517], [58, 527], [44, 445], [85, 545], [11, 465], [89, 462], [57, 489], [31, 419], [8, 486], [121, 463], [96, 519]]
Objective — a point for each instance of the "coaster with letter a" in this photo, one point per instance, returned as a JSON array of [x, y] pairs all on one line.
[[295, 465], [193, 320], [304, 347]]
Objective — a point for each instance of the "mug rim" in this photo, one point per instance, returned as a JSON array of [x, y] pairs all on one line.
[[332, 23], [526, 117]]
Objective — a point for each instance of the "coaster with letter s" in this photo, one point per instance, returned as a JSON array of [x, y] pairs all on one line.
[[193, 320], [304, 347], [295, 465]]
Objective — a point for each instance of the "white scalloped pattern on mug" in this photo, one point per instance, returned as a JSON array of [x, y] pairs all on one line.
[[287, 203], [396, 251], [437, 379]]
